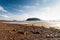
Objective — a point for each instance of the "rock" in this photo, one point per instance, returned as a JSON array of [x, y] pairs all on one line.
[[33, 19]]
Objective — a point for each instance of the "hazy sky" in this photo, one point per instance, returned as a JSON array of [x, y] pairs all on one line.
[[23, 9]]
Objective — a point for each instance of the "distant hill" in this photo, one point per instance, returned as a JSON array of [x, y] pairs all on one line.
[[33, 19]]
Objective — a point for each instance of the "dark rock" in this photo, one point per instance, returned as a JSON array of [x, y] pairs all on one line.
[[33, 19]]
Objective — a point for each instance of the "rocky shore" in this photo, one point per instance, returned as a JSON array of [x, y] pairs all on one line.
[[22, 32]]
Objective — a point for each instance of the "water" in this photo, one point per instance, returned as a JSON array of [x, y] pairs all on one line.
[[22, 22], [50, 23]]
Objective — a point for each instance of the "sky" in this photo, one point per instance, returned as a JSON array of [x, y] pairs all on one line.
[[23, 9]]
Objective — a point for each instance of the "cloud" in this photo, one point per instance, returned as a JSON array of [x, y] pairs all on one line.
[[8, 16], [53, 12], [3, 13], [50, 12], [42, 0], [29, 6], [45, 0], [37, 4], [5, 16], [2, 9]]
